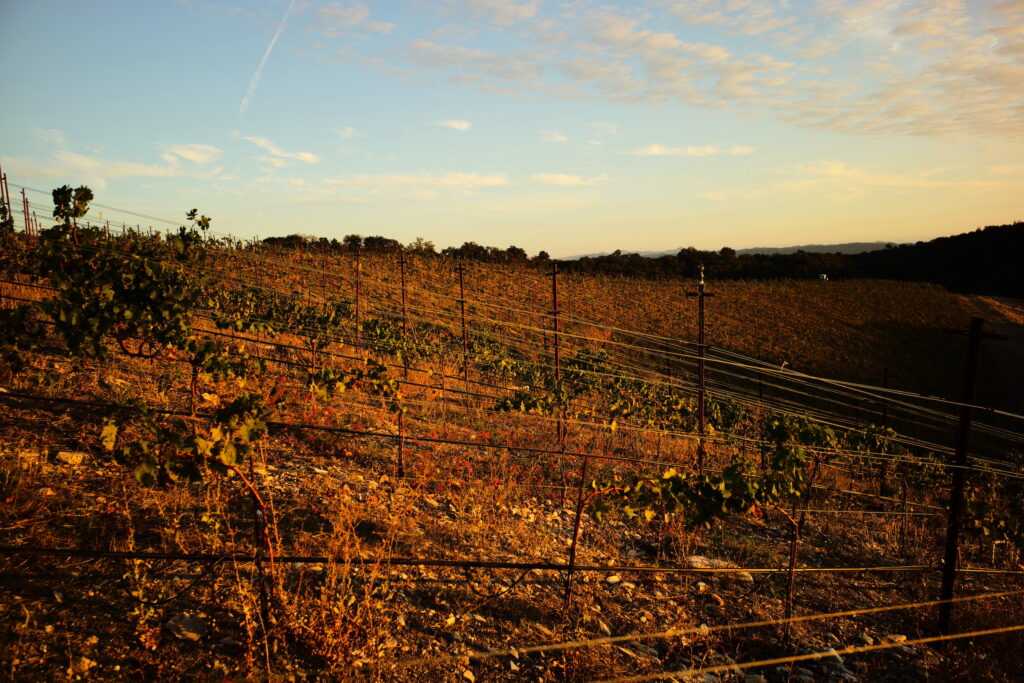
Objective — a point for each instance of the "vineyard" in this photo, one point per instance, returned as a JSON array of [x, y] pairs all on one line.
[[230, 459]]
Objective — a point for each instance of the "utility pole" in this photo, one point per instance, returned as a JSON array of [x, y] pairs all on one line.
[[24, 209], [700, 295]]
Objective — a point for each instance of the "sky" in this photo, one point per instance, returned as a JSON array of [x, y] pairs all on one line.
[[569, 126]]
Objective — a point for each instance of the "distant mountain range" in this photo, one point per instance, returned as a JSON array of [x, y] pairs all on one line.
[[984, 261], [845, 248]]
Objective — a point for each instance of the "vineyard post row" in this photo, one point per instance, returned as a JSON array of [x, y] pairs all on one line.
[[951, 549]]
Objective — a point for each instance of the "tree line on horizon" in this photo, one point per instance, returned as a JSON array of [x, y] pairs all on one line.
[[984, 261]]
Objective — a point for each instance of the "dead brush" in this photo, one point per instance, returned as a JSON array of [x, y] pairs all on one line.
[[337, 613]]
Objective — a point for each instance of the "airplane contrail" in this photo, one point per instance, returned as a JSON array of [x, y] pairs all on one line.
[[255, 80]]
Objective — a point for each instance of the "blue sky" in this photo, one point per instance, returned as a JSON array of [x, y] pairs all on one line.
[[568, 126]]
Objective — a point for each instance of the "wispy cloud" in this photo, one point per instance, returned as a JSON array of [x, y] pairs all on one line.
[[914, 67], [839, 173], [50, 136], [338, 18], [347, 133], [456, 124], [656, 150], [553, 136], [258, 74], [277, 156], [567, 180], [453, 180], [419, 186], [197, 154], [505, 12], [87, 169]]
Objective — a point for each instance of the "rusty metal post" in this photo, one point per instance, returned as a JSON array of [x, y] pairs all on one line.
[[794, 540], [358, 270], [405, 370], [885, 403], [956, 503], [700, 294], [259, 536], [560, 423], [575, 531], [465, 338], [405, 323], [883, 466], [560, 428], [701, 417]]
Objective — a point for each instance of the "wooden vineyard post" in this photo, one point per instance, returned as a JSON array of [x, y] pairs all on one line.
[[465, 338], [700, 294], [956, 503]]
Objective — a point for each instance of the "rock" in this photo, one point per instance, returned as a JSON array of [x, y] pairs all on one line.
[[185, 627], [73, 458], [894, 638], [702, 562], [613, 579], [29, 456], [702, 587], [754, 678], [468, 675], [82, 665], [733, 666], [866, 639]]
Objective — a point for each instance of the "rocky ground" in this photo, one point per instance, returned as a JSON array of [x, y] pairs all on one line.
[[113, 619]]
